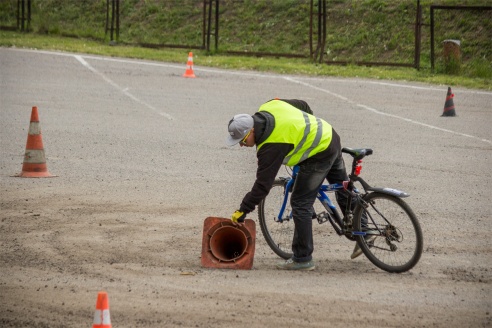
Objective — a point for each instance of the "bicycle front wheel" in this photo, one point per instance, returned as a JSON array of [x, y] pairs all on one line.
[[393, 240], [278, 233]]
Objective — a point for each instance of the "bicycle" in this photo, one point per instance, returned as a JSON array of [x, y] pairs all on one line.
[[382, 223]]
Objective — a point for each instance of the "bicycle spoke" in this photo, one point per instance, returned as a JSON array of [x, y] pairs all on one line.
[[398, 245]]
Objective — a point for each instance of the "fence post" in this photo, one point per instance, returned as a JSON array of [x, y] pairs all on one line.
[[23, 15], [323, 33], [320, 42], [204, 25], [28, 15], [432, 37], [217, 25], [117, 20], [209, 23], [112, 20], [418, 36], [23, 22], [216, 20], [115, 11], [107, 19]]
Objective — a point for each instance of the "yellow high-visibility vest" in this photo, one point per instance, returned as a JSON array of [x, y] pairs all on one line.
[[309, 134]]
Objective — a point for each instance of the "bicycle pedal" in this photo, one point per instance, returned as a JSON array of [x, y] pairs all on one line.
[[322, 217]]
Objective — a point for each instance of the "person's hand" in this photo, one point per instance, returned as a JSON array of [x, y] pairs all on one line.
[[238, 217]]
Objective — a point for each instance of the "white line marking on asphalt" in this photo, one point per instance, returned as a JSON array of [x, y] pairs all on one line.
[[383, 113], [405, 86], [217, 71], [274, 76], [122, 90], [291, 79]]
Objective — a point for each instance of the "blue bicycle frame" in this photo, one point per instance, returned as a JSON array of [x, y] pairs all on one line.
[[331, 214], [322, 196]]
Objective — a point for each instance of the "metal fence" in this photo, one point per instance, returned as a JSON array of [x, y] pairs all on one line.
[[292, 28]]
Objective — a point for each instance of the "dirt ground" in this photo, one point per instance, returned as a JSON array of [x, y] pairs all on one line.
[[140, 160]]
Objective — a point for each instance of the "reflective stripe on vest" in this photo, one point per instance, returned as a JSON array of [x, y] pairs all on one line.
[[309, 134]]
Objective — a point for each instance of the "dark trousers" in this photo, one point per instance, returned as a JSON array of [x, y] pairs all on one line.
[[310, 177]]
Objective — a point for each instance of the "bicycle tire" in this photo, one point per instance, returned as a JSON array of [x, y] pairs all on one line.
[[398, 244], [278, 235]]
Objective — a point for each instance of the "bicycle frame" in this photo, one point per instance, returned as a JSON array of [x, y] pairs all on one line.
[[331, 214]]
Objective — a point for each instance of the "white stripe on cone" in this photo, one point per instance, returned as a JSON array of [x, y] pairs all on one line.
[[102, 317]]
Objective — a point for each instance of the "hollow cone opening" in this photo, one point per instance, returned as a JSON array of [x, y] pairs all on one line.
[[228, 243]]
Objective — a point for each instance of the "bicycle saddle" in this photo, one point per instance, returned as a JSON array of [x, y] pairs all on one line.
[[357, 153]]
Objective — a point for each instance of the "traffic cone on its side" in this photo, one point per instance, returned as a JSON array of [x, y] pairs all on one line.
[[449, 104], [226, 246], [34, 165], [189, 67], [102, 318]]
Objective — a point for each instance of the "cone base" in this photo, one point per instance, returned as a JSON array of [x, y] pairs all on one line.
[[450, 113], [35, 175]]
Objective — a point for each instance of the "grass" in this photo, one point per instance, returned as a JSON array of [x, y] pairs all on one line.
[[357, 30]]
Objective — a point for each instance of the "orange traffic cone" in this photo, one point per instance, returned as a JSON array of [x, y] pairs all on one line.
[[34, 160], [226, 246], [189, 66], [102, 318], [449, 104]]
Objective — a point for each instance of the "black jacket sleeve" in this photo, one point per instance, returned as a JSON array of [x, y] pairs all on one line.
[[270, 158]]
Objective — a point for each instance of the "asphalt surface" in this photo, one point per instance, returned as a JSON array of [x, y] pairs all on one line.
[[139, 152]]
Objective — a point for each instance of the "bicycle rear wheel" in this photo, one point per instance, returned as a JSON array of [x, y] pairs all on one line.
[[397, 237], [278, 235]]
